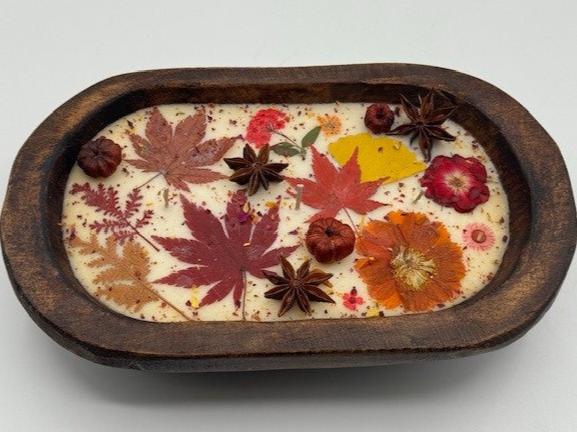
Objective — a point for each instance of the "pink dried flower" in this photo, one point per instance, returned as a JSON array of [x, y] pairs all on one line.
[[478, 236], [351, 300]]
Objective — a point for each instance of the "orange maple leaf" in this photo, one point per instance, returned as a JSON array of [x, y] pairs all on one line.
[[336, 189]]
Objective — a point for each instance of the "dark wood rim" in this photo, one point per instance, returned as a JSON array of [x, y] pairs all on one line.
[[543, 237]]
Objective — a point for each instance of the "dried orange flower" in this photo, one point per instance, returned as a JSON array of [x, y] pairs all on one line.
[[409, 261], [330, 124]]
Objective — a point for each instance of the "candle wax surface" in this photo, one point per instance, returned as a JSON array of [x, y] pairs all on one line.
[[123, 265]]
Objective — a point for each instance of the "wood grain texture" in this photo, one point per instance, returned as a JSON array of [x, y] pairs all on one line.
[[543, 228]]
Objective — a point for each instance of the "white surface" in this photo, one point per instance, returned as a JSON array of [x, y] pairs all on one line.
[[49, 51]]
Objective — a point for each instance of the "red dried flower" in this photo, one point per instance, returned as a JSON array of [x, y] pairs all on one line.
[[263, 124], [351, 300], [456, 182]]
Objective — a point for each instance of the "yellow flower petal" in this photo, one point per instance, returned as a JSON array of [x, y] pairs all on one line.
[[194, 300], [373, 311], [379, 157]]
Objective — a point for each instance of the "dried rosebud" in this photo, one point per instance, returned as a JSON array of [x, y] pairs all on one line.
[[379, 118], [330, 240], [100, 157]]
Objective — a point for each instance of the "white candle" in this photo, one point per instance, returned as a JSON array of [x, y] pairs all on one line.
[[165, 302]]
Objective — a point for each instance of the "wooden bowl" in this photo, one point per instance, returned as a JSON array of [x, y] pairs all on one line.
[[542, 237]]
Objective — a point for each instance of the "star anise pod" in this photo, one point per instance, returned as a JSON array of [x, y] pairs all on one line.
[[425, 122], [255, 170], [297, 287]]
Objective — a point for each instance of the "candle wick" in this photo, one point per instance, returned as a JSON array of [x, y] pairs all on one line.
[[165, 196], [299, 188]]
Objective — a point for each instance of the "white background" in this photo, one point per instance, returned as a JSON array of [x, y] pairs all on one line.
[[51, 50]]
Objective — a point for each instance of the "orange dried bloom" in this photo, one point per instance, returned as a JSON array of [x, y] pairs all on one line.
[[330, 124], [409, 261]]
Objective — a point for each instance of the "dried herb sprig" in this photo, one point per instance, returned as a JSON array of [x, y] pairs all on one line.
[[289, 147]]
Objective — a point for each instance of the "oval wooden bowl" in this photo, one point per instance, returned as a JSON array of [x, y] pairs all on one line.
[[542, 238]]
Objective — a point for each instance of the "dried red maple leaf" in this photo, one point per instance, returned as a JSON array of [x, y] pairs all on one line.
[[123, 224], [179, 154], [222, 255], [336, 189]]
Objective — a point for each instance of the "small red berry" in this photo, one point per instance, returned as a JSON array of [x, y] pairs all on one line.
[[379, 118]]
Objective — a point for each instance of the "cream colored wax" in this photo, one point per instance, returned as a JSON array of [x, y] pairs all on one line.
[[177, 303]]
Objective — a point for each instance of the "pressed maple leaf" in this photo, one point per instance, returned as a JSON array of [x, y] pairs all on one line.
[[179, 154], [221, 255], [122, 277], [123, 224], [336, 189]]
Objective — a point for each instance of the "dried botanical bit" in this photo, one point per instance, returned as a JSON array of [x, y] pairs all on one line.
[[297, 287], [425, 122], [379, 118], [330, 240], [255, 170], [100, 157]]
